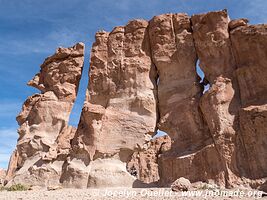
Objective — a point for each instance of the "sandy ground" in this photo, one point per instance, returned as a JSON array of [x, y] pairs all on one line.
[[123, 193]]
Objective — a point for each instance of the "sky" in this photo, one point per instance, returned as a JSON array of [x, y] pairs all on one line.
[[31, 30]]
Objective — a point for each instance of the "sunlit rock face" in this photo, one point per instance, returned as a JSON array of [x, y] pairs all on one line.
[[120, 112], [44, 134], [144, 163], [143, 78], [2, 176]]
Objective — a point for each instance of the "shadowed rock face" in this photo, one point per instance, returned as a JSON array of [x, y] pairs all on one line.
[[143, 78], [221, 103], [174, 55], [44, 134], [249, 47], [144, 163]]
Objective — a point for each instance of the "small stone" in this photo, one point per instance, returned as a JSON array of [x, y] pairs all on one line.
[[50, 188]]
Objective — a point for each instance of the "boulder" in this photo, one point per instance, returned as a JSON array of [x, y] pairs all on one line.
[[181, 184]]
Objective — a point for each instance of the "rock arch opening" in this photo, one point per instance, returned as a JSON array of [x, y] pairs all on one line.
[[159, 133], [202, 80]]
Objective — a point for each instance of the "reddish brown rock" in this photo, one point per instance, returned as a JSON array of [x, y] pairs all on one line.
[[249, 44], [175, 57], [220, 104], [237, 23], [202, 165], [213, 45], [119, 114], [44, 120], [143, 78], [253, 120], [179, 91], [144, 164]]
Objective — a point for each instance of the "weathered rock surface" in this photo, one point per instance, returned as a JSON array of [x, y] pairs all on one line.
[[12, 165], [175, 57], [44, 134], [2, 176], [119, 114], [249, 47], [142, 78], [237, 23], [220, 104], [144, 164], [181, 184]]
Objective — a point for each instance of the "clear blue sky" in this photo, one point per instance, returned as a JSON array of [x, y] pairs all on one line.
[[30, 30]]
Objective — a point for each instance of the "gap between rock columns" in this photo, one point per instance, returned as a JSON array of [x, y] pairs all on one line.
[[221, 103]]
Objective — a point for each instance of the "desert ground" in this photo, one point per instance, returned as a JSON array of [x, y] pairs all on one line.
[[131, 193]]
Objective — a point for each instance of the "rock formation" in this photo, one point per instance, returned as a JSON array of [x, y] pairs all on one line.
[[181, 184], [143, 78], [44, 134], [120, 113], [12, 165], [2, 176], [144, 163], [249, 47]]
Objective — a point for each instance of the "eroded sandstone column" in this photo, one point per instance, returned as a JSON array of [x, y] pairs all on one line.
[[220, 103], [44, 119], [249, 45], [119, 114], [179, 92], [174, 55]]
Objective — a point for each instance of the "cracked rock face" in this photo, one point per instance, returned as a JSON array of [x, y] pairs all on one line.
[[44, 134], [249, 47], [220, 104], [175, 57], [144, 163], [143, 78]]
